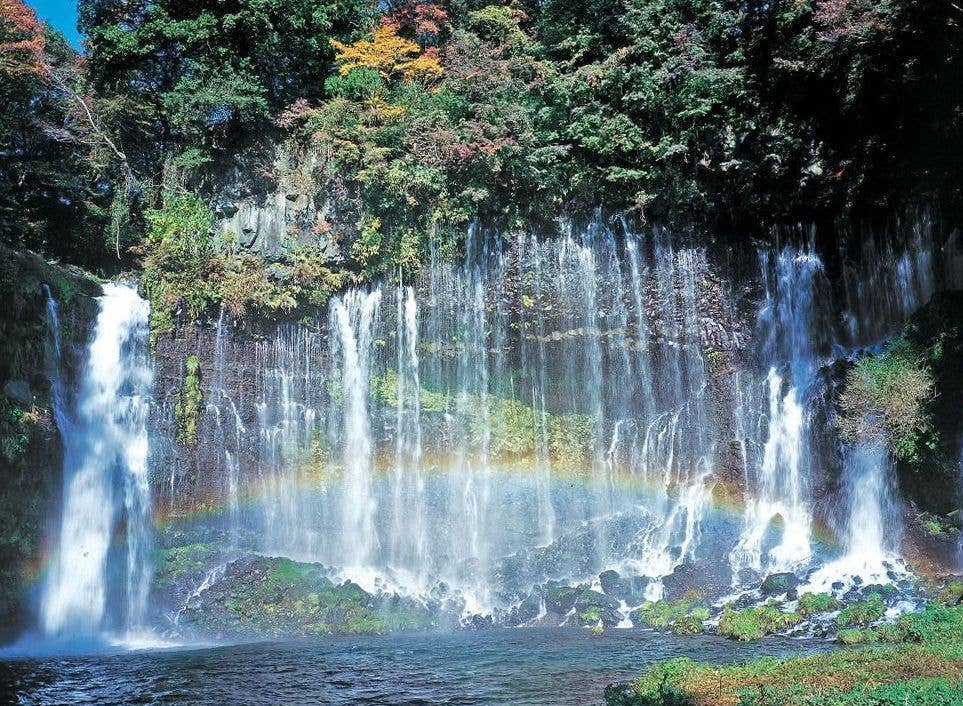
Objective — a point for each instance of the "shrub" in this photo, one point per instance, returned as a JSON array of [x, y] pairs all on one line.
[[178, 248], [885, 398], [691, 624], [855, 636], [662, 614]]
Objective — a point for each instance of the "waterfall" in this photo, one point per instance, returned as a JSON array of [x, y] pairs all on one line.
[[788, 323], [105, 480], [872, 532], [228, 429], [290, 379], [353, 318], [535, 411], [548, 409], [409, 538]]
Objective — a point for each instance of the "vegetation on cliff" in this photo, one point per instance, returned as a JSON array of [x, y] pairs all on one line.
[[405, 120], [905, 396]]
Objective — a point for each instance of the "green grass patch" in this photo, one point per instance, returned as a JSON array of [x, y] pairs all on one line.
[[755, 623], [862, 613], [916, 661], [815, 603]]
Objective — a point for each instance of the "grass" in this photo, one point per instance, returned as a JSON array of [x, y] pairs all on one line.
[[684, 616], [923, 667], [863, 612], [815, 603], [755, 623]]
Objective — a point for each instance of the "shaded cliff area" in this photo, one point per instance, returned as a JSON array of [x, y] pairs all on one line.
[[31, 451]]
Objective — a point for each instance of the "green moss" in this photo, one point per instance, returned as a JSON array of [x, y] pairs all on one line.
[[285, 572], [173, 563], [661, 615], [591, 615], [511, 428], [862, 613], [187, 408], [756, 622], [813, 603]]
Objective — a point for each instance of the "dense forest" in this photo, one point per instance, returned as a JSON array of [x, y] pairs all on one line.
[[414, 118]]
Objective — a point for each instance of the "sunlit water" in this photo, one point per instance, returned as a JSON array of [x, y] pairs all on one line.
[[530, 667]]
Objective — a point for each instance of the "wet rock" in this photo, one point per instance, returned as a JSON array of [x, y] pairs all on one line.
[[561, 599], [479, 622], [702, 578], [525, 612], [592, 607], [779, 583], [612, 583]]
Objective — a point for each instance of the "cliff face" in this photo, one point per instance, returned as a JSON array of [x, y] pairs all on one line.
[[534, 313], [30, 447], [665, 338]]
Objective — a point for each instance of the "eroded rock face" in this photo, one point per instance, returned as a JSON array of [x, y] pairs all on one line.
[[241, 362], [269, 217]]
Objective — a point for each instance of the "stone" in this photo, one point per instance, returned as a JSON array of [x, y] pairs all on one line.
[[561, 599], [779, 583]]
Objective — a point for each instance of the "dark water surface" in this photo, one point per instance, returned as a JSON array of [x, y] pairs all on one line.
[[524, 667]]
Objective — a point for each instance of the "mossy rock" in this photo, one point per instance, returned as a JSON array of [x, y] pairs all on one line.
[[278, 597], [775, 584], [561, 599]]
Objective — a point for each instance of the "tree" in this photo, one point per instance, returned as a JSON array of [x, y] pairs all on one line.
[[46, 197]]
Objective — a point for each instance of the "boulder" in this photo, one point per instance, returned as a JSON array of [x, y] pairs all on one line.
[[776, 584], [592, 606], [561, 599]]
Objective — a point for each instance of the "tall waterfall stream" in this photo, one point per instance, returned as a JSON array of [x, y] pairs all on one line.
[[98, 583]]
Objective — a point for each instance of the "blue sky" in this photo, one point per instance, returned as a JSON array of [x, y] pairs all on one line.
[[62, 14]]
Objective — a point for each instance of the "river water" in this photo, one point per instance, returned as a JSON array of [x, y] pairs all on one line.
[[525, 667]]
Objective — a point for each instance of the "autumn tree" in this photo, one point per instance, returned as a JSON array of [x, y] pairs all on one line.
[[22, 40], [388, 53]]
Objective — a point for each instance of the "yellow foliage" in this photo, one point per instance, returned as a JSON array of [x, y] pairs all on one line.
[[389, 54], [384, 111]]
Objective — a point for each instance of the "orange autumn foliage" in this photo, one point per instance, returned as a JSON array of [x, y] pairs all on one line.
[[389, 54], [22, 41]]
